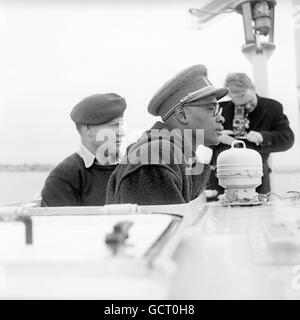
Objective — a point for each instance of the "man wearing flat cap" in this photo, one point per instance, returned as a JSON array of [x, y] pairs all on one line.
[[81, 179], [161, 167]]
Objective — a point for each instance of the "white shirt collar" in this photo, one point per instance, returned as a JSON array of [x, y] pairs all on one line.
[[87, 156]]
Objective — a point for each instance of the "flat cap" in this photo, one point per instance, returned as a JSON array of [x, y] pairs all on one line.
[[190, 82], [98, 109]]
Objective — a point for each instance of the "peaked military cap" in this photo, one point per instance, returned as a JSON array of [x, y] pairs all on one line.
[[189, 85]]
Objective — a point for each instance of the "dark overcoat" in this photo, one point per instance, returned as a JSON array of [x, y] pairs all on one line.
[[169, 179]]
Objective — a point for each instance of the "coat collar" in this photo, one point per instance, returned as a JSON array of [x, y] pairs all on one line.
[[258, 114]]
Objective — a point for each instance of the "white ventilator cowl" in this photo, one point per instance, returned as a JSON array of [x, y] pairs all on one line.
[[240, 169]]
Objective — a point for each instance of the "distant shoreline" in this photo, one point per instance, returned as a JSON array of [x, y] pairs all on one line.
[[26, 167]]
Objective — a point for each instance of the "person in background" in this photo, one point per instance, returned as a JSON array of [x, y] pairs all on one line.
[[81, 179], [258, 121], [161, 167]]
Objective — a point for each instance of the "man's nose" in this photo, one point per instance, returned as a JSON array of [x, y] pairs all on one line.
[[220, 119]]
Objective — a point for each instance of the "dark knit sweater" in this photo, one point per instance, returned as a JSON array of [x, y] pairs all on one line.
[[165, 182], [72, 184]]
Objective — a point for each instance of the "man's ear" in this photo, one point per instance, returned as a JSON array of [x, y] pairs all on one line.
[[88, 130], [181, 115]]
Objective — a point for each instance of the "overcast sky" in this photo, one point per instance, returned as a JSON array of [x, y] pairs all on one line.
[[54, 53]]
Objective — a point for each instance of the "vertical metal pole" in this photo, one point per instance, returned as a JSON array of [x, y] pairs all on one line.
[[260, 74]]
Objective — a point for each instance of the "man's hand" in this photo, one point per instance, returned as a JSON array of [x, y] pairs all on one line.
[[226, 137], [255, 137]]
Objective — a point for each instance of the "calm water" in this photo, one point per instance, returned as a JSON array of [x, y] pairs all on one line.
[[23, 186], [20, 186]]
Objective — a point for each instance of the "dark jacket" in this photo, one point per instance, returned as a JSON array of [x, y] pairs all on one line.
[[168, 179], [269, 120], [72, 184]]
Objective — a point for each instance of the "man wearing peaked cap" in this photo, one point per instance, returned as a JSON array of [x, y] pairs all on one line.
[[161, 167], [81, 179]]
